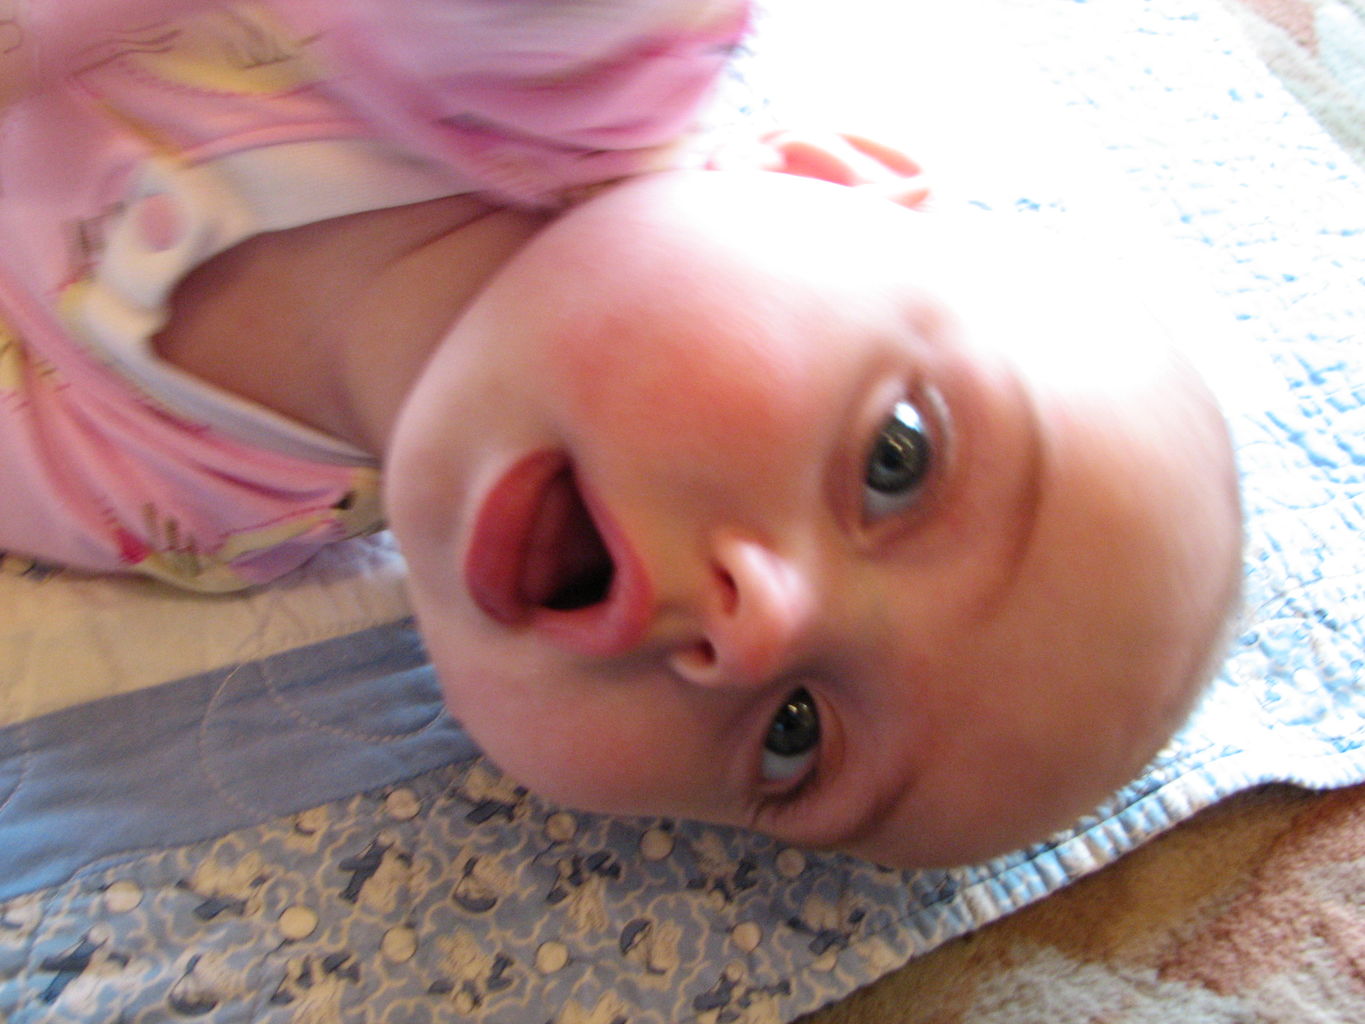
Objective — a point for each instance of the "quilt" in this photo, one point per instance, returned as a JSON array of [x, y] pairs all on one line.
[[255, 809]]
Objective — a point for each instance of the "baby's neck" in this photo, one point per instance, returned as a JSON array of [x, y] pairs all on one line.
[[330, 323]]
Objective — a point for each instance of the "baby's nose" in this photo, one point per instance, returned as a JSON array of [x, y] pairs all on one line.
[[756, 608]]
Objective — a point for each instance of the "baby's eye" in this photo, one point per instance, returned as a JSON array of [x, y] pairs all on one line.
[[897, 464], [793, 736]]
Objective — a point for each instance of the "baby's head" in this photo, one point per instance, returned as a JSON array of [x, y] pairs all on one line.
[[753, 499]]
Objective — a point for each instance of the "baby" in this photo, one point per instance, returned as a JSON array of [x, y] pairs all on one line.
[[755, 499], [735, 495]]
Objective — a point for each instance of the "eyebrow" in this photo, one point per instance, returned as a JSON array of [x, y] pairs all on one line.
[[1023, 517]]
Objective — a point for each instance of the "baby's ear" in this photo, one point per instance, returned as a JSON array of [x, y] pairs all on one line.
[[838, 158]]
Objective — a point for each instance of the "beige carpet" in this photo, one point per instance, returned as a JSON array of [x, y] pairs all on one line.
[[1252, 912], [1317, 48]]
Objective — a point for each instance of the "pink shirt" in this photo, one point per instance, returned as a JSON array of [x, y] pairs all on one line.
[[160, 141]]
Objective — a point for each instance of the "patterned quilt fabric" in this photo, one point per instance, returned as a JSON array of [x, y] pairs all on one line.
[[304, 837]]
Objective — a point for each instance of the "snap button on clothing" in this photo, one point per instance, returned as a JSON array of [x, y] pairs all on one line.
[[160, 222]]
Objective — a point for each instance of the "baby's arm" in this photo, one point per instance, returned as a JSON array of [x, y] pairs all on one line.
[[531, 99]]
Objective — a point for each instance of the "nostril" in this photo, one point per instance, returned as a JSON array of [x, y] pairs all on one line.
[[755, 611], [728, 591], [696, 661]]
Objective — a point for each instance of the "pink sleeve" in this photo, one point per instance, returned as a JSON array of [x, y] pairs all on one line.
[[527, 97]]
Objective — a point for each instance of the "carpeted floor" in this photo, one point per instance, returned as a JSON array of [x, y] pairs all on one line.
[[1317, 48], [1253, 913]]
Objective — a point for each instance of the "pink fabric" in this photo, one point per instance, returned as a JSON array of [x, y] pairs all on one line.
[[528, 114], [528, 97], [96, 477], [524, 99]]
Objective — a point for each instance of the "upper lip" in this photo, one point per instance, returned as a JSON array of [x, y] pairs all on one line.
[[541, 499]]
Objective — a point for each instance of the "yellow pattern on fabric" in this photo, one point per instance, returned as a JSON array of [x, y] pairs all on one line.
[[239, 49], [12, 359], [177, 560], [18, 368]]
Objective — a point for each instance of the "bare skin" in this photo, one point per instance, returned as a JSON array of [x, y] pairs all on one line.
[[323, 304]]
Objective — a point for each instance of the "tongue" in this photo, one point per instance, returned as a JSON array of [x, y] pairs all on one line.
[[566, 565]]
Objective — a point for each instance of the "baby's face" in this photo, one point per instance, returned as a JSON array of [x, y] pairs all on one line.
[[754, 500]]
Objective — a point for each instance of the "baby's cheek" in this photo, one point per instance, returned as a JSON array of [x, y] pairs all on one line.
[[697, 396]]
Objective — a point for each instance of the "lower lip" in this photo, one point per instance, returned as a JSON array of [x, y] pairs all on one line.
[[493, 566]]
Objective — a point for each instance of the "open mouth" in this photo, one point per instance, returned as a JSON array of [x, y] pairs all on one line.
[[566, 565], [543, 555]]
